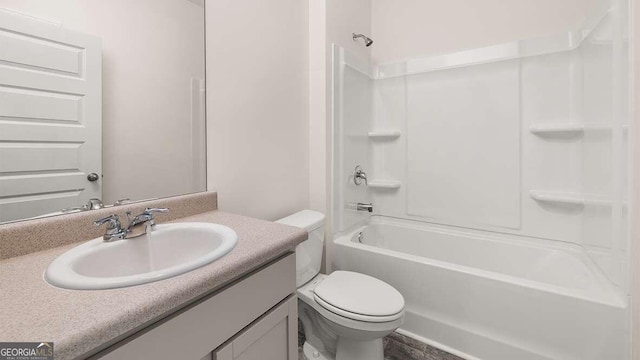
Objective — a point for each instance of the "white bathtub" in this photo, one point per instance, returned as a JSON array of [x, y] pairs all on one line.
[[491, 297]]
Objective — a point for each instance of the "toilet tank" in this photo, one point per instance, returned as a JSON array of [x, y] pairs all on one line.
[[309, 252]]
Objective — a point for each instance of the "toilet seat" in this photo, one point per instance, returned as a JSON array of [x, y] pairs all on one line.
[[355, 316], [359, 297], [306, 295]]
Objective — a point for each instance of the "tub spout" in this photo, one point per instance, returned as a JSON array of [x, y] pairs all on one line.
[[364, 207]]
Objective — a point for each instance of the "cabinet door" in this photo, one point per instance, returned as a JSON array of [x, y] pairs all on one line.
[[272, 337]]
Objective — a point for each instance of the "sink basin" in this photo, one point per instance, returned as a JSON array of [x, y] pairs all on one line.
[[170, 250]]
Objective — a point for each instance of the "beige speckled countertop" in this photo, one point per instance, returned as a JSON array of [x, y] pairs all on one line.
[[80, 322]]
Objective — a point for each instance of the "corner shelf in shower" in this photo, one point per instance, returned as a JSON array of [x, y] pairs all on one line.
[[570, 129], [385, 184], [566, 129], [568, 198], [390, 134]]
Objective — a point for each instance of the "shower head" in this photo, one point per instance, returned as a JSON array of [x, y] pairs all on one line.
[[367, 40]]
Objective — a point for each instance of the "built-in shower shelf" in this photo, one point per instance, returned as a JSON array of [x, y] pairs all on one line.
[[557, 129], [569, 198], [569, 129], [384, 134], [385, 184]]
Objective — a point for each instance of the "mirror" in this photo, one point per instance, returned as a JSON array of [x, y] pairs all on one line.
[[99, 99]]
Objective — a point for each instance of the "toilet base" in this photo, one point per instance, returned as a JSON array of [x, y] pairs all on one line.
[[349, 349], [311, 353], [339, 338]]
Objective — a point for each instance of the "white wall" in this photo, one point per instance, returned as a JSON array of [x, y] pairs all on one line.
[[353, 117], [330, 21], [146, 113], [415, 28], [257, 106], [457, 154], [466, 156]]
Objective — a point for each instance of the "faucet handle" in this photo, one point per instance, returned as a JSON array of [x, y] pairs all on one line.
[[77, 208], [113, 220], [149, 211], [359, 175], [121, 201], [114, 228]]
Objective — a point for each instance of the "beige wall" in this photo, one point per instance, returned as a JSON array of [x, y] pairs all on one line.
[[257, 106], [634, 137], [415, 28], [318, 140], [151, 49], [345, 17]]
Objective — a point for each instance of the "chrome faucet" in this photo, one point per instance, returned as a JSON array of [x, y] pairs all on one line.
[[143, 223], [138, 226], [114, 228], [92, 204], [359, 175], [364, 207], [121, 202]]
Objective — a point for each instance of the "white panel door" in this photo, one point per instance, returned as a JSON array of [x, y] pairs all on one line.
[[50, 117]]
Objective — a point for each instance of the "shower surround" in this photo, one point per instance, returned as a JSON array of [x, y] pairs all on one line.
[[499, 183]]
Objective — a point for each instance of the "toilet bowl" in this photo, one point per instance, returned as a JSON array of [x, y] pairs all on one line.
[[344, 314]]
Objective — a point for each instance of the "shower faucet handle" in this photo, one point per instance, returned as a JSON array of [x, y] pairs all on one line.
[[359, 175]]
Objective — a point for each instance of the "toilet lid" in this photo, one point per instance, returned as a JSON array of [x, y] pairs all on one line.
[[359, 294]]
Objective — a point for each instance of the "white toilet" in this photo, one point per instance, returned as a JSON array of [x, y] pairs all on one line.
[[345, 314]]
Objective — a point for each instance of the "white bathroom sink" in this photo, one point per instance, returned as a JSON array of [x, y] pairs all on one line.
[[170, 250]]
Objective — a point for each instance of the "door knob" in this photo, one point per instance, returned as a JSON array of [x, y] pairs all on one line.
[[93, 177]]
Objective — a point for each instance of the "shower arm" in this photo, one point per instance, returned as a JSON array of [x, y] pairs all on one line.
[[367, 40]]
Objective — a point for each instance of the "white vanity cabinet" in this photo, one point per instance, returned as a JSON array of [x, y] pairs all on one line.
[[269, 338], [254, 318]]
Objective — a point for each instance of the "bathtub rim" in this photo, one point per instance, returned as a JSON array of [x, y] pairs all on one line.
[[608, 294]]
